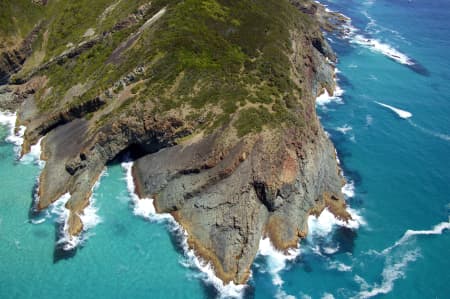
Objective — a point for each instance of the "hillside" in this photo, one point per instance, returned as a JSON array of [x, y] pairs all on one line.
[[215, 99]]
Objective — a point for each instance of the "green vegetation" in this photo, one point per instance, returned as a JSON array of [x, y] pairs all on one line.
[[226, 61], [17, 19], [252, 120]]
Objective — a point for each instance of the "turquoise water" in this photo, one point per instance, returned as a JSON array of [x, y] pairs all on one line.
[[399, 169]]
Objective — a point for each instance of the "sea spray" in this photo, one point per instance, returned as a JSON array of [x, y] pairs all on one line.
[[144, 208]]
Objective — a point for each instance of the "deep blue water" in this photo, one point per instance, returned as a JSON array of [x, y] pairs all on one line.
[[399, 168]]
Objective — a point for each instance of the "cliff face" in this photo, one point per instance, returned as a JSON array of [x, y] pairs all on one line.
[[216, 97]]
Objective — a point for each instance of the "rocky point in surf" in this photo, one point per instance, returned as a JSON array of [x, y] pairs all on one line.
[[215, 99]]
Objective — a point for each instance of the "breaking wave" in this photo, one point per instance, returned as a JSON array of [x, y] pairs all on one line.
[[34, 156], [276, 259], [89, 217], [61, 214], [58, 212], [276, 262], [352, 34], [144, 208], [326, 98], [326, 222], [15, 136]]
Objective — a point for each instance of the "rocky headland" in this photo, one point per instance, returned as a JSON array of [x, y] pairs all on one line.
[[216, 99]]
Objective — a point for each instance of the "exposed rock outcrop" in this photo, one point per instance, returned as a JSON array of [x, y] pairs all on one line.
[[227, 177], [12, 60]]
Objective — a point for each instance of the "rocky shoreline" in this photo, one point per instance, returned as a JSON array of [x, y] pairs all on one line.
[[227, 191]]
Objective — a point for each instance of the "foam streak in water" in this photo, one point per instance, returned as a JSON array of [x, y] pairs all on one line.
[[391, 272], [382, 48], [442, 136], [352, 34], [401, 113], [437, 230]]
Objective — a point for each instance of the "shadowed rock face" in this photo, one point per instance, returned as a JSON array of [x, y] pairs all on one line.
[[229, 144]]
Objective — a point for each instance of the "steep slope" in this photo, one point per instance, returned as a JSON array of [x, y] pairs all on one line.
[[215, 97]]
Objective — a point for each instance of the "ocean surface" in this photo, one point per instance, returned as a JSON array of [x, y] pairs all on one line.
[[390, 123]]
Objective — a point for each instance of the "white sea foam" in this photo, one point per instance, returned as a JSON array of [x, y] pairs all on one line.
[[327, 296], [374, 28], [325, 98], [397, 259], [401, 113], [375, 45], [38, 221], [280, 294], [436, 230], [276, 262], [344, 129], [326, 222], [8, 119], [369, 120], [392, 271], [442, 136], [276, 259], [341, 267], [330, 250], [382, 48], [349, 189], [15, 136], [58, 210], [145, 208], [89, 217], [142, 207], [34, 156]]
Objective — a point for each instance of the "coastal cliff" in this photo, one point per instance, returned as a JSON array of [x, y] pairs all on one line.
[[216, 99]]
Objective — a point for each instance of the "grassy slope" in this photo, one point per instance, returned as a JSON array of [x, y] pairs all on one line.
[[220, 60]]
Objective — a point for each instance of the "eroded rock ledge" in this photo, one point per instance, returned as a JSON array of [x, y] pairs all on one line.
[[233, 166], [227, 201]]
